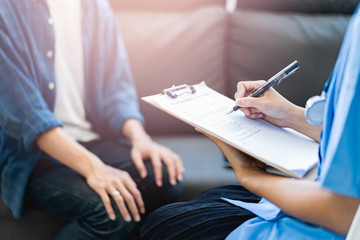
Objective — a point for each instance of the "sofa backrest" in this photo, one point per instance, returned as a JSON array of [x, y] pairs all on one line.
[[174, 48], [261, 43], [163, 5], [188, 41]]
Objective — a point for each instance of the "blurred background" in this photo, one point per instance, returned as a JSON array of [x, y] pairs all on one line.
[[223, 42]]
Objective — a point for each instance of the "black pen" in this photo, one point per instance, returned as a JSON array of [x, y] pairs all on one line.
[[277, 78]]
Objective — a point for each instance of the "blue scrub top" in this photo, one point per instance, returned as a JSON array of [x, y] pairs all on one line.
[[339, 158]]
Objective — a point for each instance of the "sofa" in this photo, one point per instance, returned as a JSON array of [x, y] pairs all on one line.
[[189, 41]]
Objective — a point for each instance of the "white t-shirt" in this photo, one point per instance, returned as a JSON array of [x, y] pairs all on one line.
[[69, 69]]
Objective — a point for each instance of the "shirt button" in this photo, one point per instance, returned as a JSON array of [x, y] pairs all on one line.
[[51, 21], [50, 54], [51, 86]]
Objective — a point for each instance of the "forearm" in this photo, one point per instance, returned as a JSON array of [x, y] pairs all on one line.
[[302, 199], [134, 130], [298, 122], [67, 151]]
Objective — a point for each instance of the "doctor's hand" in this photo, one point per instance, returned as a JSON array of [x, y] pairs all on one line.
[[145, 148], [241, 163], [270, 105]]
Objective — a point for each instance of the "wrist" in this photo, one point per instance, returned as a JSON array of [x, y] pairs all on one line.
[[247, 176], [299, 123], [134, 131], [94, 164], [296, 117]]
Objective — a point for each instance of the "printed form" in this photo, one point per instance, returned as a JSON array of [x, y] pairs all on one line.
[[283, 149]]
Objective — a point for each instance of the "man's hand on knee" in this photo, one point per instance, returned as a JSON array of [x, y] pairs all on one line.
[[109, 182], [148, 149]]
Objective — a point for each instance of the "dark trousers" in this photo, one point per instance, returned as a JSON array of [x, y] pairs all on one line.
[[63, 192], [207, 217]]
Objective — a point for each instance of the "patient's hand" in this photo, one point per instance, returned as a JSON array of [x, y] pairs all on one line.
[[143, 147], [147, 149]]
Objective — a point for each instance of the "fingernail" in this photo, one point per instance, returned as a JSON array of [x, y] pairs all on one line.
[[142, 210], [260, 115], [173, 182], [127, 218], [112, 216], [159, 183], [137, 218], [143, 174]]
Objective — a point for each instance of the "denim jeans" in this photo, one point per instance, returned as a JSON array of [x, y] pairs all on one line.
[[63, 192]]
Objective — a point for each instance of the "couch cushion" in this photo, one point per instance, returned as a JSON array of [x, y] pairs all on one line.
[[35, 225], [174, 48], [305, 6], [203, 161], [261, 44]]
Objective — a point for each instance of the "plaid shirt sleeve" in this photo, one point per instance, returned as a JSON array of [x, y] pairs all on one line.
[[24, 114]]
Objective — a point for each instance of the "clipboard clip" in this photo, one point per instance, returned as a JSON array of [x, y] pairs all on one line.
[[176, 91]]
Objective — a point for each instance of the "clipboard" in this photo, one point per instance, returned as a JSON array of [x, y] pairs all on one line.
[[282, 149]]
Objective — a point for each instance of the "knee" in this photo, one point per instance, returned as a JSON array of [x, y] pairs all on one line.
[[171, 193], [97, 223], [156, 196]]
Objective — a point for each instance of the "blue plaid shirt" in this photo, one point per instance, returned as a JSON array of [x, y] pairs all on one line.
[[27, 85]]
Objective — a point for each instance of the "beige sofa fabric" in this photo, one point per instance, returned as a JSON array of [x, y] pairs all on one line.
[[174, 48], [163, 5]]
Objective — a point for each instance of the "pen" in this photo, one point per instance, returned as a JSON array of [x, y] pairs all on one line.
[[277, 78]]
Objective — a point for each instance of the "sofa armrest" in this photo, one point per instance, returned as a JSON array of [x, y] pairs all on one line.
[[262, 43], [304, 6]]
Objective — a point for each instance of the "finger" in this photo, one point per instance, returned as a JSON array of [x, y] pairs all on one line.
[[241, 90], [246, 111], [139, 163], [130, 202], [134, 191], [246, 87], [254, 110], [179, 167], [171, 168], [119, 200], [250, 102], [107, 204], [252, 113], [255, 115], [156, 162]]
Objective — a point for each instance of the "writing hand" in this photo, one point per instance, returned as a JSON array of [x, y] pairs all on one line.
[[270, 105]]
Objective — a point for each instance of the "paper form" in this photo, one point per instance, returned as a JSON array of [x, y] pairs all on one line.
[[206, 109]]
